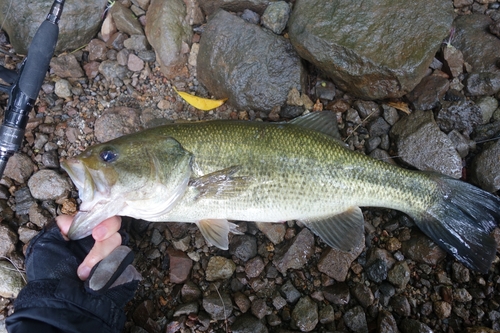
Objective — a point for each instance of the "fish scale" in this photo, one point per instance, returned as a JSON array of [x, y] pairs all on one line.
[[211, 172]]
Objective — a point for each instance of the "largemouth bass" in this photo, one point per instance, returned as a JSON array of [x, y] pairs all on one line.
[[211, 172]]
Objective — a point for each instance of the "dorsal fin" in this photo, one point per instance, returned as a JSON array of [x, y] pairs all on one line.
[[324, 122]]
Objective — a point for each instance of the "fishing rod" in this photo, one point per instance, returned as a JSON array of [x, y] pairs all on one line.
[[26, 85]]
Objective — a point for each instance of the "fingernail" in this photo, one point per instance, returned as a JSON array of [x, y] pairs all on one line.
[[83, 272], [100, 232]]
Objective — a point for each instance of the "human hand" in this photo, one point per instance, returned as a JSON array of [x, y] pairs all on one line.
[[106, 236], [54, 287]]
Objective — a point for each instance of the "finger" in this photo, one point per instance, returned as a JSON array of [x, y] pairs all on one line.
[[98, 252], [64, 222], [106, 228]]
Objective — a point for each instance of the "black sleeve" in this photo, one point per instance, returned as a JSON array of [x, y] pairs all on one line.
[[50, 306]]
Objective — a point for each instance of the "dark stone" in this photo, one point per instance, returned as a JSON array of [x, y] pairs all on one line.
[[248, 324], [23, 22], [377, 271], [295, 254], [478, 46], [479, 84], [254, 68], [337, 294], [243, 247], [289, 292], [356, 57], [428, 92]]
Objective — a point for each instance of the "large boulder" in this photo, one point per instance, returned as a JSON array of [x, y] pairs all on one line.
[[80, 22], [252, 67], [479, 47], [169, 32], [211, 6], [372, 49]]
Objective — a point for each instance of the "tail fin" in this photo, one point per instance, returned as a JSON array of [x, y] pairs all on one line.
[[461, 222]]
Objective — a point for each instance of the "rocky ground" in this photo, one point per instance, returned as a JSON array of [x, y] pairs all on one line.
[[276, 278]]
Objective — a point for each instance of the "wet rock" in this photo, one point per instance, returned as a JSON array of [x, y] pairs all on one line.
[[390, 114], [136, 43], [463, 117], [386, 322], [378, 127], [460, 273], [421, 248], [125, 19], [260, 309], [219, 268], [143, 312], [296, 253], [254, 267], [337, 294], [250, 16], [370, 72], [367, 109], [211, 6], [180, 266], [355, 320], [23, 22], [48, 185], [11, 280], [488, 106], [112, 71], [442, 309], [242, 302], [305, 314], [275, 232], [19, 168], [63, 89], [271, 66], [453, 60], [276, 16], [115, 122], [427, 94], [400, 305], [479, 47], [24, 200], [185, 309], [190, 292], [420, 143], [66, 66], [8, 240], [352, 116], [248, 324], [243, 247], [170, 35], [218, 305], [289, 292], [363, 294], [461, 295], [336, 263], [461, 142], [135, 64], [377, 271], [50, 159], [485, 168], [26, 234], [97, 50], [38, 216], [480, 84], [399, 275], [414, 326]]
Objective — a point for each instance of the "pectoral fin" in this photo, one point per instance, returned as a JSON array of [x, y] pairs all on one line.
[[343, 231], [216, 231]]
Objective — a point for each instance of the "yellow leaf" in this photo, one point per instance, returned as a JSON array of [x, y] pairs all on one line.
[[204, 104]]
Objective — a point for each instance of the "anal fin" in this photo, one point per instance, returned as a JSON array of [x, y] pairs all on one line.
[[216, 231], [343, 231]]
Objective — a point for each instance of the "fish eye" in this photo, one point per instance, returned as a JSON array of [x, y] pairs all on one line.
[[108, 155]]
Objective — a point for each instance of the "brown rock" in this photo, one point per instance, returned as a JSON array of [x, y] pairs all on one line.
[[336, 263], [180, 266]]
